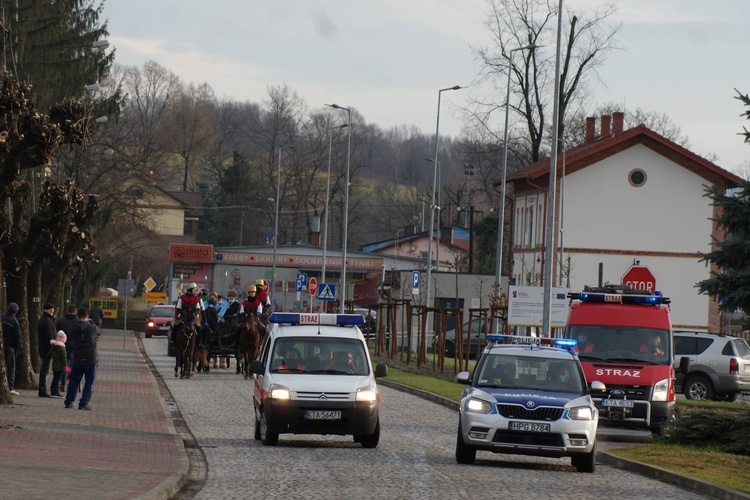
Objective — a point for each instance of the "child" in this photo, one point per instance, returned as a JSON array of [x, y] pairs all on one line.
[[59, 362]]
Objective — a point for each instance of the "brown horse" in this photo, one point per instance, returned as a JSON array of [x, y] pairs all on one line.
[[185, 341], [206, 334], [248, 339]]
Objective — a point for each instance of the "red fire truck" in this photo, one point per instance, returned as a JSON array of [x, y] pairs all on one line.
[[625, 341]]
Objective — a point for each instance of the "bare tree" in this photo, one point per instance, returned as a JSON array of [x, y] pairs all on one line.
[[517, 23]]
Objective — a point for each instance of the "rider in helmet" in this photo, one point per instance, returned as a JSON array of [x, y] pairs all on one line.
[[251, 304], [262, 294], [187, 303]]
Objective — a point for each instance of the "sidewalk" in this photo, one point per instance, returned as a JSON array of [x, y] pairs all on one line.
[[125, 448]]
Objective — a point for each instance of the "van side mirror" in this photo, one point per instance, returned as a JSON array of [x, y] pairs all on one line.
[[684, 365], [381, 370], [257, 367]]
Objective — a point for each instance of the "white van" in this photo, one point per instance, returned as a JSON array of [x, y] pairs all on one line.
[[315, 376]]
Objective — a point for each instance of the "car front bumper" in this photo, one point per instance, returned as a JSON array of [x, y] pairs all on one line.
[[290, 416]]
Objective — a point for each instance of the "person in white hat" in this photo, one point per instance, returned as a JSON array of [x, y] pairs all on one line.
[[187, 303]]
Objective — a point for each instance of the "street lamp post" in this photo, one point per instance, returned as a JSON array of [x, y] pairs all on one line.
[[432, 204], [328, 190], [346, 204], [276, 228], [501, 211]]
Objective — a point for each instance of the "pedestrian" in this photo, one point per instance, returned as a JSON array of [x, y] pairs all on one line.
[[59, 362], [85, 360], [46, 332], [66, 324], [11, 339], [97, 315]]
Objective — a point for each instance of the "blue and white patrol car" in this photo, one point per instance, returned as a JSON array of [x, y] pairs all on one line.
[[314, 376], [528, 399]]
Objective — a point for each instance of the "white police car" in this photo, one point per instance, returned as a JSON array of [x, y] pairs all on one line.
[[530, 400], [314, 376]]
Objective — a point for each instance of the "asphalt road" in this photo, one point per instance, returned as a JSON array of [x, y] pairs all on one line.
[[413, 460]]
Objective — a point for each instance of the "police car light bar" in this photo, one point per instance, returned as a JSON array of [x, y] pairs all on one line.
[[512, 339], [317, 319], [568, 344]]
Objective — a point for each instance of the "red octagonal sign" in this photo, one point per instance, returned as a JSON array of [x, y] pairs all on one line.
[[312, 285], [639, 278]]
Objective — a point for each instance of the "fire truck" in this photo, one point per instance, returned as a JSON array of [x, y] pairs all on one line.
[[625, 341]]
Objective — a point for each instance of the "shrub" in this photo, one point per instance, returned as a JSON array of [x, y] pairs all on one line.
[[728, 429]]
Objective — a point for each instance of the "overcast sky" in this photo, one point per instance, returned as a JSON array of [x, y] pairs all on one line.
[[389, 58]]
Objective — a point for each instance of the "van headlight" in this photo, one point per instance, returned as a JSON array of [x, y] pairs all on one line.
[[478, 406], [367, 394], [581, 413], [661, 389], [277, 391]]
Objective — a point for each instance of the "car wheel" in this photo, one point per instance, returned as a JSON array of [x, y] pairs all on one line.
[[257, 427], [148, 335], [698, 388], [728, 397], [465, 454], [662, 429], [370, 440], [585, 462], [266, 437], [450, 349]]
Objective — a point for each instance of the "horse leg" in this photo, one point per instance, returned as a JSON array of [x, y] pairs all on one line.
[[176, 362]]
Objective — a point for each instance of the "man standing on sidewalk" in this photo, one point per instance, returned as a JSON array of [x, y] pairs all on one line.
[[11, 338], [85, 360], [47, 332]]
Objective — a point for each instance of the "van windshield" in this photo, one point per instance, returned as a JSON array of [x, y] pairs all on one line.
[[315, 355], [616, 343]]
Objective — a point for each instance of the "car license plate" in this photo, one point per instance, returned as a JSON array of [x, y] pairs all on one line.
[[618, 403], [529, 427], [322, 415], [164, 327]]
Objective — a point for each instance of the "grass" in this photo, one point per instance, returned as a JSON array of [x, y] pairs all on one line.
[[730, 471], [723, 469]]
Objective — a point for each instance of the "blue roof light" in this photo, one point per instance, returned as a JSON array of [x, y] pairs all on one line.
[[568, 344]]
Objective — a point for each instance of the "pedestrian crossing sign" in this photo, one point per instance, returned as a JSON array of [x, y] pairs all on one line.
[[326, 291]]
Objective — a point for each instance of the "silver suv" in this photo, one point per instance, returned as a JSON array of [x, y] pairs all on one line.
[[719, 365]]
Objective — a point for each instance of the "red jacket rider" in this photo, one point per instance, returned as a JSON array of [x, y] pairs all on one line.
[[251, 304]]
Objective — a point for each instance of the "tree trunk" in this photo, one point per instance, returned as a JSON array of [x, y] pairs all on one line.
[[26, 363]]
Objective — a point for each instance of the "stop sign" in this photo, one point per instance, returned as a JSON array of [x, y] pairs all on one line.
[[639, 278], [312, 285]]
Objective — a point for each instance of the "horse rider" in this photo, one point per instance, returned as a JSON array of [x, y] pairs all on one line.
[[251, 304], [187, 304], [262, 295], [211, 305]]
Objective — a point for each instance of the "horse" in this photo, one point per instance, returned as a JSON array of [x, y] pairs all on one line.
[[185, 340], [248, 341], [206, 336]]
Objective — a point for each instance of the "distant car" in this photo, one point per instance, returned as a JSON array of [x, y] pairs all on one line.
[[528, 399], [159, 320], [370, 328], [719, 367], [477, 339]]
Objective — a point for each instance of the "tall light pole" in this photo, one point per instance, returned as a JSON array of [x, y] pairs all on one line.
[[501, 210], [432, 204], [328, 190], [346, 204], [276, 228]]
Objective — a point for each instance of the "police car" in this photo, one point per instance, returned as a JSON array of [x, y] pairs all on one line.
[[314, 376], [529, 400]]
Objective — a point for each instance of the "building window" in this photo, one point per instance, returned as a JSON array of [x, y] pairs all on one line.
[[637, 177]]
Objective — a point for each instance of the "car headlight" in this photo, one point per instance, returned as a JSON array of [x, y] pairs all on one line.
[[478, 406], [277, 391], [661, 389], [581, 413], [367, 394], [151, 324]]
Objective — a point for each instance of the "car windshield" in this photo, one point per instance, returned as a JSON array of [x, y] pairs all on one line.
[[315, 355], [162, 312], [530, 372], [617, 343]]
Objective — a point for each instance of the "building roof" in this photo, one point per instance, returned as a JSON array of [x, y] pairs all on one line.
[[192, 200], [600, 148]]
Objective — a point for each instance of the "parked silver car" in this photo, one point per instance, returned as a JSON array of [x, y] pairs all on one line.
[[719, 365]]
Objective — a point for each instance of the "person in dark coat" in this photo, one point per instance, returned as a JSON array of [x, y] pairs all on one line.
[[97, 315], [66, 324], [46, 332], [85, 360], [11, 339]]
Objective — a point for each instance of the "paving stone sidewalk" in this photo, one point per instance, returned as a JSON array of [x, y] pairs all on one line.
[[125, 447]]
